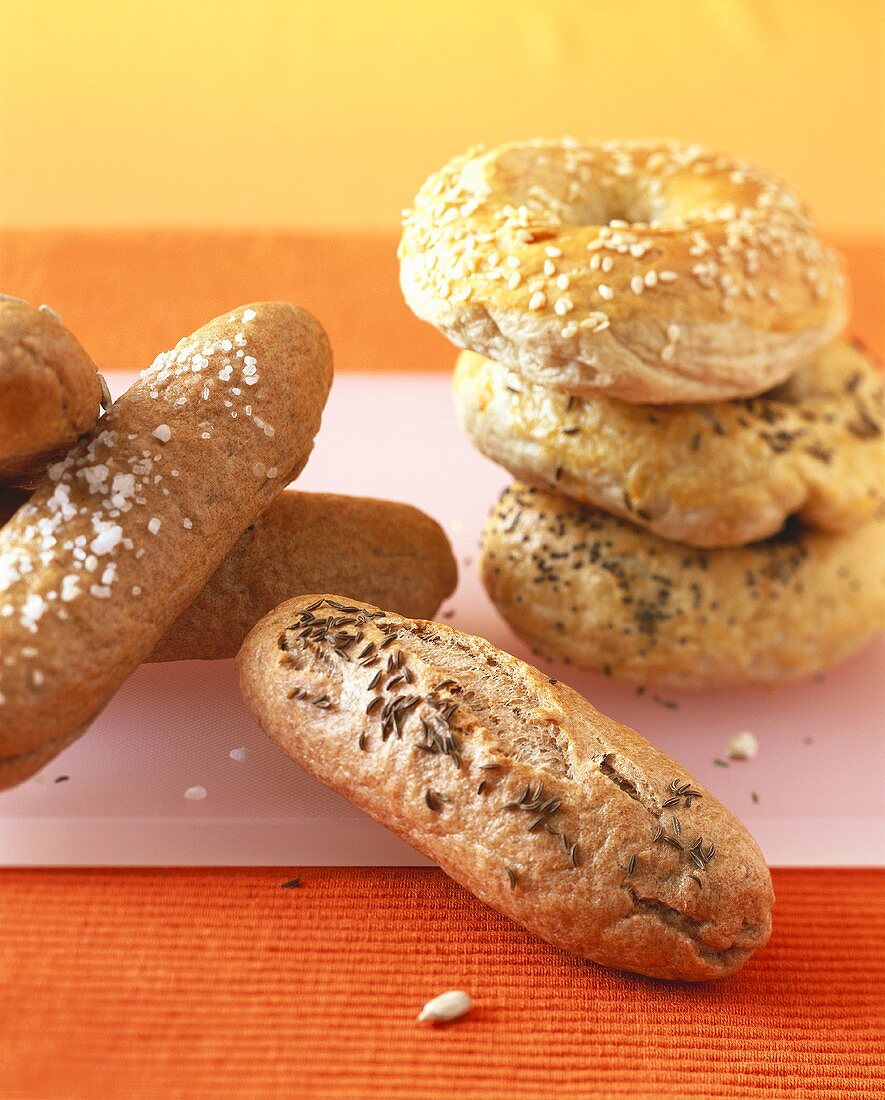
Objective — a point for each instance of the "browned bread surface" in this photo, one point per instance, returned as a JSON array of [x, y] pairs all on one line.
[[585, 587], [49, 389], [563, 819], [379, 551], [125, 531], [654, 272], [721, 474]]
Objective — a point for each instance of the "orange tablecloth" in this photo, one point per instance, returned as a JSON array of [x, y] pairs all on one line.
[[217, 983]]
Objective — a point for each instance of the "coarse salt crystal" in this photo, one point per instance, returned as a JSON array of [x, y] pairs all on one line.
[[32, 611], [162, 432], [107, 538], [153, 525], [195, 794], [70, 587]]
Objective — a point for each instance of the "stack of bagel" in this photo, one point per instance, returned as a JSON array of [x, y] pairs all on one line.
[[652, 348]]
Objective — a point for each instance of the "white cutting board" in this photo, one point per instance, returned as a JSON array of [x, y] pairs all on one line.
[[819, 776]]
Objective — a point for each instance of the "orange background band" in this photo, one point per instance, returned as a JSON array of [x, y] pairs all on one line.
[[129, 294]]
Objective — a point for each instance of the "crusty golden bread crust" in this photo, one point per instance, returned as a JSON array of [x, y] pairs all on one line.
[[654, 272], [379, 551], [709, 475], [584, 587], [49, 390], [563, 819], [126, 530]]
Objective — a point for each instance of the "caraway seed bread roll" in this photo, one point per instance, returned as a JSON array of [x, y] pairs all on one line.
[[558, 816]]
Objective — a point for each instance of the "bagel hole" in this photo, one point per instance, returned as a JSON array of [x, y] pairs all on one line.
[[549, 183]]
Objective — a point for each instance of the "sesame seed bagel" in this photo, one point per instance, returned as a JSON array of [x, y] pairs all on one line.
[[125, 531], [653, 272], [566, 821], [587, 588], [721, 474], [49, 390]]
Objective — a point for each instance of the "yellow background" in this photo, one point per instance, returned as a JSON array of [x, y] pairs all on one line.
[[329, 115]]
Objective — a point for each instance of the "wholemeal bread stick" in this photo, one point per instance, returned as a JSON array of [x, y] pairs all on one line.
[[560, 817], [125, 531], [379, 551], [375, 550], [49, 390]]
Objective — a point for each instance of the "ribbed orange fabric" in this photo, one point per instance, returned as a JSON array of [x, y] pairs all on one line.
[[130, 295], [218, 983]]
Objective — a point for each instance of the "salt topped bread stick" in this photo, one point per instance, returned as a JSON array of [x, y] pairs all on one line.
[[379, 551], [126, 530]]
